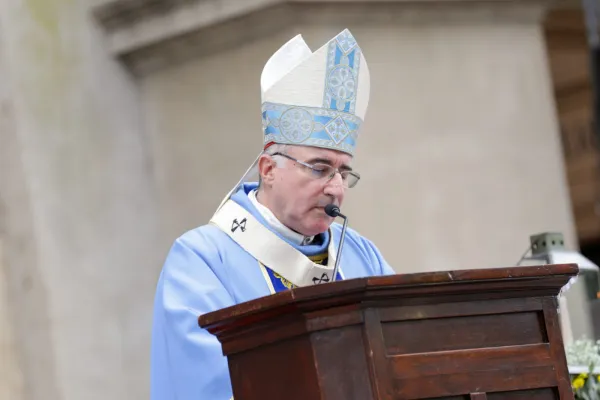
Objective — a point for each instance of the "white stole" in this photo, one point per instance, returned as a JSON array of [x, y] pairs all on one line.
[[269, 249]]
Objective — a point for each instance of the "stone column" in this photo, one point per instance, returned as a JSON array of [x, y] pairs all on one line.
[[79, 224], [11, 374]]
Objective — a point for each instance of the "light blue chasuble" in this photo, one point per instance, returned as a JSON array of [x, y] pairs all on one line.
[[206, 270]]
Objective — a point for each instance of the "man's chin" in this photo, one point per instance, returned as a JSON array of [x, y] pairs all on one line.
[[318, 227]]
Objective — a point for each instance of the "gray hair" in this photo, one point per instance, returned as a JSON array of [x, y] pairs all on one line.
[[274, 148]]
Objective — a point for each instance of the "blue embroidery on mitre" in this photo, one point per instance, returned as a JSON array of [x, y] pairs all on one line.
[[334, 125], [341, 79], [310, 126]]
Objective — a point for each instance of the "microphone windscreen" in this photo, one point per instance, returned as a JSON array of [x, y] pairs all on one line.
[[332, 210]]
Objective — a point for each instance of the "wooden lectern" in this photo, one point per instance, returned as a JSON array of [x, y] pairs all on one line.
[[473, 334]]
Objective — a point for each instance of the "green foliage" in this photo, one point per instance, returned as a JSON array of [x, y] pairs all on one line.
[[585, 353]]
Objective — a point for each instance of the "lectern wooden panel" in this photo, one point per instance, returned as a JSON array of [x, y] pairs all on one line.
[[473, 334]]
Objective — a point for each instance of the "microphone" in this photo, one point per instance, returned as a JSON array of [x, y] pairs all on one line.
[[334, 211]]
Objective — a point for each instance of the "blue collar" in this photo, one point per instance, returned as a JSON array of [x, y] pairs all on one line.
[[319, 245]]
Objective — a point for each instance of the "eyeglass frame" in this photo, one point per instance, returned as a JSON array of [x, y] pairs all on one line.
[[329, 177]]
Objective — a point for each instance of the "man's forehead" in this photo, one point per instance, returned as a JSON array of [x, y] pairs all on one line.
[[307, 153]]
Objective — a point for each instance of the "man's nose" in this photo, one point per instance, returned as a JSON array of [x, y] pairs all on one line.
[[335, 187]]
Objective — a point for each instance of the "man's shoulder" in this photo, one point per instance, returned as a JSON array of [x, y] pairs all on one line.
[[203, 239], [202, 232], [366, 247], [351, 234]]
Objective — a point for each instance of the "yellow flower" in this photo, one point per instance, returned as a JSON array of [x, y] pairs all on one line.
[[578, 383], [598, 377]]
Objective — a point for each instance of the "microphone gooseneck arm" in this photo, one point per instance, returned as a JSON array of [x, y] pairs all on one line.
[[334, 211]]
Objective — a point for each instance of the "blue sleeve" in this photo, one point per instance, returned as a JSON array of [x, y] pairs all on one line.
[[187, 361], [384, 267]]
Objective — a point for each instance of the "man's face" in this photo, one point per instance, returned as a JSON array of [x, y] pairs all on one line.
[[297, 196]]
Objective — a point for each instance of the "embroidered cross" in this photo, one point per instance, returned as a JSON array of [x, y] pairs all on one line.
[[236, 224], [323, 278]]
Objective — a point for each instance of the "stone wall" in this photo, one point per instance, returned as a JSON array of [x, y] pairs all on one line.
[[460, 153]]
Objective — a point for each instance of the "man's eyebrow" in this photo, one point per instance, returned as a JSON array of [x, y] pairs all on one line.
[[343, 167]]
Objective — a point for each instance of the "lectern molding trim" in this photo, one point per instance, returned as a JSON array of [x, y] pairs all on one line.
[[416, 288]]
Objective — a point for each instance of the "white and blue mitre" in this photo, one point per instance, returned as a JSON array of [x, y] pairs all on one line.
[[316, 99]]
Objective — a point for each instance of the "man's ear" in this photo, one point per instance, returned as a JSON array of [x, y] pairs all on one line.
[[266, 167]]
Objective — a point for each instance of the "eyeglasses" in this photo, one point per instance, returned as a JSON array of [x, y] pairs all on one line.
[[326, 171]]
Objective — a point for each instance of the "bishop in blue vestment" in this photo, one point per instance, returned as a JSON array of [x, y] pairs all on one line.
[[271, 235]]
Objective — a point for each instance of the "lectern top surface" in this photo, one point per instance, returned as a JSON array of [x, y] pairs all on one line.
[[492, 282]]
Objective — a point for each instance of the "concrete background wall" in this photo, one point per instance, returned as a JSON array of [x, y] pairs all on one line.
[[460, 154], [101, 171]]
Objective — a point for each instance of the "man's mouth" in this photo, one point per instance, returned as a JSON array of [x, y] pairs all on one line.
[[322, 204]]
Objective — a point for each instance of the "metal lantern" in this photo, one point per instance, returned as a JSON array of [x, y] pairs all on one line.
[[549, 248]]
